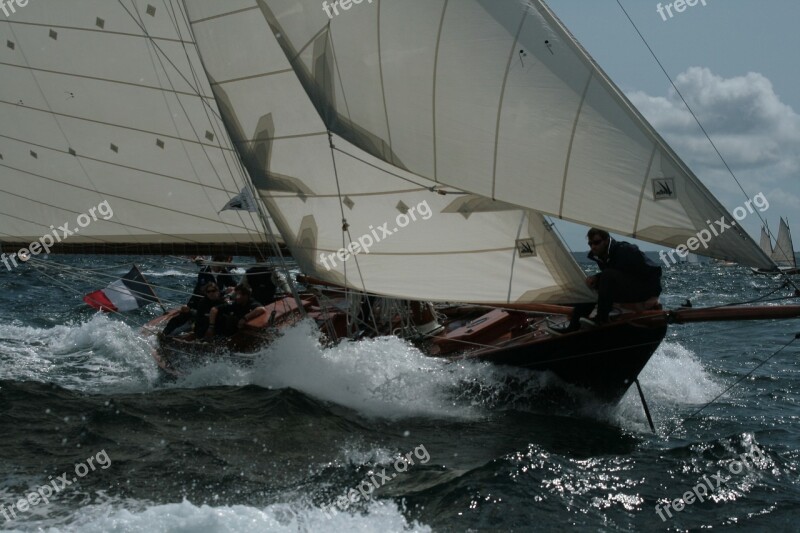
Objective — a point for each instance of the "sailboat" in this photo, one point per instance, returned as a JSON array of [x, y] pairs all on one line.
[[782, 254], [487, 113]]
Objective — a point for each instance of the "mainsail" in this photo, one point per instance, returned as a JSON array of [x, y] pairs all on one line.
[[107, 101], [783, 254], [324, 192], [493, 97]]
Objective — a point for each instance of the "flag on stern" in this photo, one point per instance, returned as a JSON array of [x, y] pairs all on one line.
[[126, 294]]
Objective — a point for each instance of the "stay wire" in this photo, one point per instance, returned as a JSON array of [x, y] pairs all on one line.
[[759, 365], [700, 125]]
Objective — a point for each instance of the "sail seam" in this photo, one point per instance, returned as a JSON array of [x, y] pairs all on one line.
[[109, 80], [339, 74], [254, 76], [129, 128], [644, 186], [223, 15], [383, 83], [108, 195], [221, 188], [104, 32], [514, 253], [502, 97], [571, 142], [435, 70]]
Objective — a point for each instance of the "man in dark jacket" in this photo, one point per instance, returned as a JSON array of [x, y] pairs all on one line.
[[626, 276]]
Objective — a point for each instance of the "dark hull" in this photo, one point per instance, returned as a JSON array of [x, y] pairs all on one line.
[[604, 360], [789, 271]]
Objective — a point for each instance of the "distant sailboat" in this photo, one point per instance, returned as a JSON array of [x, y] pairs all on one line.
[[782, 254]]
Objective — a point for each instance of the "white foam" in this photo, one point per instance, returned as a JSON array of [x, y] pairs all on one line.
[[673, 378], [172, 273], [99, 355], [186, 517], [383, 377]]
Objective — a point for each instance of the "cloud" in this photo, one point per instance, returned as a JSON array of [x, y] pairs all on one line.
[[757, 134]]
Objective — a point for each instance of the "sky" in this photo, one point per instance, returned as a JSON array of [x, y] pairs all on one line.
[[737, 63]]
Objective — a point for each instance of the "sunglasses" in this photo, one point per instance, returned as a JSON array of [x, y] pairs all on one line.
[[596, 242]]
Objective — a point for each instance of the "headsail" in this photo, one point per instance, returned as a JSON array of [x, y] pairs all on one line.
[[783, 255], [765, 243], [107, 101], [461, 247], [495, 97]]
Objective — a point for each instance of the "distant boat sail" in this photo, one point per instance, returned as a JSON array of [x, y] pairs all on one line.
[[782, 254]]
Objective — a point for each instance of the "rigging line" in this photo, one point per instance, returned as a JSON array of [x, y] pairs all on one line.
[[86, 275], [189, 120], [67, 287], [157, 47], [759, 365], [346, 230], [247, 181], [702, 128], [219, 129], [432, 188]]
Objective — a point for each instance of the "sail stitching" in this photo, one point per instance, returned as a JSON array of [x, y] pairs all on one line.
[[435, 71], [644, 187], [571, 142], [214, 126], [383, 83], [502, 97], [108, 80]]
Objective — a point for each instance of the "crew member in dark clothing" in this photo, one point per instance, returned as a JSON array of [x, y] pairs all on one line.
[[220, 275], [198, 310], [259, 278], [626, 276], [227, 319]]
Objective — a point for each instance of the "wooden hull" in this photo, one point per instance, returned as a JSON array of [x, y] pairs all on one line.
[[173, 355], [604, 360]]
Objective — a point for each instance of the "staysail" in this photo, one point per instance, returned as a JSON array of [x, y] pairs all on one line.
[[107, 102], [493, 97], [424, 241], [783, 254]]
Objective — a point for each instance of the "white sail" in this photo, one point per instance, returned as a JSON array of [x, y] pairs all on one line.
[[461, 247], [783, 255], [107, 102], [765, 243], [496, 98]]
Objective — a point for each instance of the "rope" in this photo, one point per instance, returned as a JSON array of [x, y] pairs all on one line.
[[759, 365], [702, 128]]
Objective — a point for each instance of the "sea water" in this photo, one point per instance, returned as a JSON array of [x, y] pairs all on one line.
[[274, 445]]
